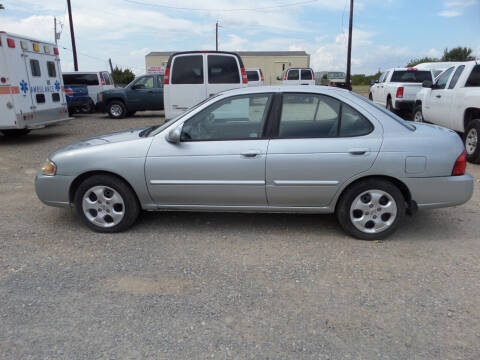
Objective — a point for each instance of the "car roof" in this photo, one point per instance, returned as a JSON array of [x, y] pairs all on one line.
[[285, 88], [170, 58]]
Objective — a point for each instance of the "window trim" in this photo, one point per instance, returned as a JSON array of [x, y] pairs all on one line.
[[276, 127], [264, 134]]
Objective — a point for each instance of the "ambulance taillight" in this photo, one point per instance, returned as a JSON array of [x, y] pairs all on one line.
[[11, 43]]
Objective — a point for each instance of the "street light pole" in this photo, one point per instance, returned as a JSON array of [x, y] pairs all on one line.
[[72, 34], [349, 51], [216, 36]]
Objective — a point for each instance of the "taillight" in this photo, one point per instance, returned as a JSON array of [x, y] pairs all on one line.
[[69, 92], [460, 165], [102, 80], [3, 80], [166, 78], [400, 92], [261, 77], [11, 43], [313, 75], [244, 76], [55, 51], [285, 76]]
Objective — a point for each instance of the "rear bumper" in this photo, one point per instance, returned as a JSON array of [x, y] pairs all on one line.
[[53, 190], [404, 104], [437, 192]]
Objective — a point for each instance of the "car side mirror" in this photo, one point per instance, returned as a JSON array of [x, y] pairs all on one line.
[[175, 134], [427, 84]]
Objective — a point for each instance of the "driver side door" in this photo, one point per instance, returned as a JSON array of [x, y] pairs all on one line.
[[141, 95], [219, 160]]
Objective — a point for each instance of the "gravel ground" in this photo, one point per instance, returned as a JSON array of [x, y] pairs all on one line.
[[227, 286]]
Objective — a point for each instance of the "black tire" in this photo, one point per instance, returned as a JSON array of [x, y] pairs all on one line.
[[470, 138], [351, 193], [131, 204], [417, 115], [131, 113], [88, 108], [116, 109], [370, 97], [14, 133], [389, 105]]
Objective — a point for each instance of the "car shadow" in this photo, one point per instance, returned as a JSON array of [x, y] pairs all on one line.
[[31, 138]]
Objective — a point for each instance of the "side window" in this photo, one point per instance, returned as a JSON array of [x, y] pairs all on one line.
[[239, 117], [306, 75], [387, 74], [443, 79], [455, 76], [292, 75], [145, 82], [353, 123], [35, 67], [380, 79], [252, 75], [40, 98], [223, 69], [56, 97], [309, 116], [474, 78], [52, 72], [187, 69]]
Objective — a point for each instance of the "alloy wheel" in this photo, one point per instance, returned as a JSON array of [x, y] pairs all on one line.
[[471, 141], [103, 206]]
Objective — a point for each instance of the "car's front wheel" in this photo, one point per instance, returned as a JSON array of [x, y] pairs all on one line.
[[417, 114], [472, 133], [106, 204], [370, 96], [116, 109], [371, 209]]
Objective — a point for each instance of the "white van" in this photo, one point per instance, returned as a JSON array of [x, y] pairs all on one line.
[[96, 81], [299, 76], [31, 85], [255, 77], [193, 76]]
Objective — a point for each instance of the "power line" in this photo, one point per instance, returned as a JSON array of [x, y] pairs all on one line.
[[298, 3]]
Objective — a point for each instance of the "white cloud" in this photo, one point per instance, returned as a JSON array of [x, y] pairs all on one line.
[[449, 13], [455, 8]]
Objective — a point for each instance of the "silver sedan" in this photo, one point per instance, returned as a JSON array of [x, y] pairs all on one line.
[[266, 149]]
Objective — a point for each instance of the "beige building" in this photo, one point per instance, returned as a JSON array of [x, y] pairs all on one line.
[[272, 63]]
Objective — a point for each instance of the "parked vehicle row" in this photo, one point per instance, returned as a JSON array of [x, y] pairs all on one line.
[[331, 78], [453, 101], [299, 76]]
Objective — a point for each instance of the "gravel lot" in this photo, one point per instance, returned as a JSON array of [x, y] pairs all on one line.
[[227, 286]]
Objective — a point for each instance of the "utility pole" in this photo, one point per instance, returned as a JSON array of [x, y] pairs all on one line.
[[349, 51], [55, 29], [216, 36], [111, 70], [72, 34]]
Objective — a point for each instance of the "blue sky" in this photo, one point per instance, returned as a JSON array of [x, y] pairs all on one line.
[[386, 32]]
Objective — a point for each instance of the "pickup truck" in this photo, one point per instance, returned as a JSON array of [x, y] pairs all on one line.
[[397, 88], [143, 93], [78, 99], [453, 101]]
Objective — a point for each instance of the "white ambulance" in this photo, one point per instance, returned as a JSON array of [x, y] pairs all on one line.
[[31, 85]]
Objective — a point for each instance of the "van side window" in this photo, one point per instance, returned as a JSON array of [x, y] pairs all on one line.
[[35, 67], [292, 75], [252, 75], [223, 70], [306, 75], [52, 72], [80, 79], [188, 69]]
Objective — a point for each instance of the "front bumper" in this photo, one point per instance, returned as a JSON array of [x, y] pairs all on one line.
[[54, 190], [404, 104], [437, 192]]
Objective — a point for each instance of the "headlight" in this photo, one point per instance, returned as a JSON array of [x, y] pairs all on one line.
[[49, 168]]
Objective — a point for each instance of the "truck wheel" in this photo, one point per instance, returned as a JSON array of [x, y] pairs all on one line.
[[389, 105], [370, 96], [417, 114], [15, 132], [88, 108], [116, 109], [471, 141], [106, 204], [371, 209]]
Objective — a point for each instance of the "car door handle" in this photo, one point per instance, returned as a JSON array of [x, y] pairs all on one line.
[[359, 151], [251, 153], [438, 96]]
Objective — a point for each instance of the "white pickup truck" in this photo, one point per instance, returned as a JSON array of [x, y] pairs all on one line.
[[397, 88], [453, 101]]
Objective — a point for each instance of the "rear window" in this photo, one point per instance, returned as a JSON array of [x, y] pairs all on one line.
[[474, 78], [412, 76], [40, 98], [252, 76], [292, 75], [223, 70], [80, 79], [35, 68], [52, 72], [188, 69], [306, 75]]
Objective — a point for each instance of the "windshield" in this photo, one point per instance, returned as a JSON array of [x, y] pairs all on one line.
[[178, 117], [336, 75], [411, 76], [398, 119]]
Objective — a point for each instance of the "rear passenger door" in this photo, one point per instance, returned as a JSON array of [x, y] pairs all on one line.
[[292, 78], [306, 77], [318, 143], [223, 73]]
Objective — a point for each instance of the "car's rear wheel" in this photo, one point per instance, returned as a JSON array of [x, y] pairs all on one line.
[[116, 109], [389, 105], [417, 114], [106, 204], [471, 136], [371, 209], [370, 96], [13, 133]]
